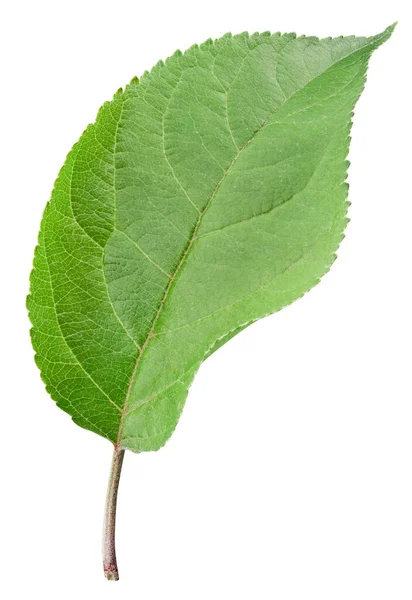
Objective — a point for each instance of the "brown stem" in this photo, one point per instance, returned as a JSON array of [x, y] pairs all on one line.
[[109, 526]]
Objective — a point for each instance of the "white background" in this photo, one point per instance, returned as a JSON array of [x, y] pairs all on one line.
[[289, 475]]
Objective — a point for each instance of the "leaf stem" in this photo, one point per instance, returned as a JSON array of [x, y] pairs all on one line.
[[109, 527]]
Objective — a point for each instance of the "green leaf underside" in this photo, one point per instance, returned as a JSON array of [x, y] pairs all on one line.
[[206, 195]]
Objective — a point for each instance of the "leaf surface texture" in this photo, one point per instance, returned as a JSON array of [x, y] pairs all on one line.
[[205, 196]]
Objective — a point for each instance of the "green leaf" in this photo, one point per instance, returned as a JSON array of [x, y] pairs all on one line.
[[206, 195]]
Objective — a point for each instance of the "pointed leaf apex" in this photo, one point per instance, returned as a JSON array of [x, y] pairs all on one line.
[[380, 38]]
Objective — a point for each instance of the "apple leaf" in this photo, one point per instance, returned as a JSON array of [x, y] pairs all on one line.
[[207, 195]]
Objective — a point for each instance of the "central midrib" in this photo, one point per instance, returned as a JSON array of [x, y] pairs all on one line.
[[172, 279], [193, 238]]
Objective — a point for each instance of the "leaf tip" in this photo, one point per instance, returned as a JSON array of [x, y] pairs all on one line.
[[381, 38], [389, 30]]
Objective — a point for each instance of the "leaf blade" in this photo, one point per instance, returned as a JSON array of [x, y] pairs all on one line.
[[213, 168]]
